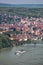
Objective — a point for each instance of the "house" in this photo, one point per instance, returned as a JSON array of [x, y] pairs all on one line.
[[23, 20], [1, 32]]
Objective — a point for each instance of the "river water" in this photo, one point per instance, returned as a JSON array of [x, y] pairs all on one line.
[[33, 55]]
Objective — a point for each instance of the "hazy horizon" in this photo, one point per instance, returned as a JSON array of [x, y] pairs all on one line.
[[22, 1]]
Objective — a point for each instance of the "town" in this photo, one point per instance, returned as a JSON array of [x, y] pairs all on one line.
[[21, 28]]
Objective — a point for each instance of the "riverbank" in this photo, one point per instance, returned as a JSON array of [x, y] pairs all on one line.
[[37, 42], [5, 49]]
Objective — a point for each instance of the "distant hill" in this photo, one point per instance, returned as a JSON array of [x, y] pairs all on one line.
[[22, 5], [6, 5]]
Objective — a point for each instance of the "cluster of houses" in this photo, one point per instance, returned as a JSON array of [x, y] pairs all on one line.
[[29, 28]]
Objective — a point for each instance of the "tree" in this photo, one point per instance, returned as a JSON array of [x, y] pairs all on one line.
[[4, 41]]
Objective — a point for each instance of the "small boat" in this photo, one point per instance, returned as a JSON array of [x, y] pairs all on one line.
[[20, 52]]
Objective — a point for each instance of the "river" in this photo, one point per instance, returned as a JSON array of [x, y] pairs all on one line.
[[33, 55]]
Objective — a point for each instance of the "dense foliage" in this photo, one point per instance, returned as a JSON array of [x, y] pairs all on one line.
[[4, 41], [22, 11]]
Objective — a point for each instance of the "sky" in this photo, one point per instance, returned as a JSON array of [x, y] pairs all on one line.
[[22, 1]]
